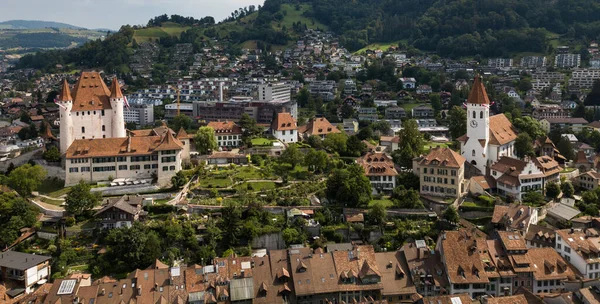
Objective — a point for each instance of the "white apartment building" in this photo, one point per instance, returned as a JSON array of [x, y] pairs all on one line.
[[279, 92], [141, 114], [285, 128]]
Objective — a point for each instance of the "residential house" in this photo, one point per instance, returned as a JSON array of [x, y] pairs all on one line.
[[380, 170], [441, 173], [21, 272], [516, 177], [284, 128], [422, 111], [227, 133], [580, 248], [398, 286], [367, 114], [121, 212], [426, 268], [390, 142], [424, 89], [408, 82], [350, 126], [395, 113], [572, 124], [582, 162], [318, 126], [589, 180], [550, 111], [540, 236], [514, 217], [550, 168]]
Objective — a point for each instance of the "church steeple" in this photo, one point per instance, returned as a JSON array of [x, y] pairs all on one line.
[[65, 93], [478, 94], [115, 89]]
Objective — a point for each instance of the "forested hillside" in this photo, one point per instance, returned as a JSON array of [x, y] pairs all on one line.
[[452, 28]]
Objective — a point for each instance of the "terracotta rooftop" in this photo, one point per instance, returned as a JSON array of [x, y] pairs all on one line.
[[463, 262], [517, 299], [91, 93], [115, 89], [549, 265], [512, 240], [514, 216], [377, 164], [478, 95], [284, 122], [443, 157], [228, 127], [318, 126], [65, 92], [123, 146], [502, 131]]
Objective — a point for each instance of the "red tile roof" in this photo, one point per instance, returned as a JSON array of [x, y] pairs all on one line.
[[65, 93], [478, 95], [284, 122], [115, 89], [443, 157], [91, 93]]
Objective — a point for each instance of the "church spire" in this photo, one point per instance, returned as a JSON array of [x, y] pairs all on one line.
[[65, 93], [115, 89], [478, 95]]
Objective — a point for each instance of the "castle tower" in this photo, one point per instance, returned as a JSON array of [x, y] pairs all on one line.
[[65, 102], [475, 150], [117, 101]]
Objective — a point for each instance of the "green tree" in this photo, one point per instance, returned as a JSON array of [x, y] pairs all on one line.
[[133, 248], [355, 147], [81, 199], [436, 102], [349, 186], [552, 190], [457, 122], [529, 125], [524, 145], [52, 154], [205, 140], [249, 128], [26, 178], [409, 180], [406, 198], [179, 180], [316, 160], [589, 197], [451, 215], [377, 213], [181, 121], [336, 142], [292, 156], [533, 198], [315, 141], [567, 189], [292, 236], [410, 145], [565, 148], [231, 225], [15, 214]]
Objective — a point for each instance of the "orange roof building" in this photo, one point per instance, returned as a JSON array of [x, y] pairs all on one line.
[[441, 173], [285, 128], [488, 137], [318, 126], [380, 170], [228, 134]]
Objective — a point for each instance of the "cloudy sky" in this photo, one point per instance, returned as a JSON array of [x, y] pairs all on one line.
[[114, 13]]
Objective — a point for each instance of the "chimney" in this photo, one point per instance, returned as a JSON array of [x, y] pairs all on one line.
[[139, 291], [155, 286], [221, 91], [103, 292], [418, 253]]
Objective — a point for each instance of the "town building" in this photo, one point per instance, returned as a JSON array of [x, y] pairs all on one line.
[[120, 212], [567, 124], [91, 110], [488, 138], [514, 217], [441, 173], [21, 272], [540, 236], [533, 62], [550, 111], [318, 126], [151, 158], [380, 170], [422, 111], [589, 180], [285, 128], [500, 62], [227, 133], [350, 126], [567, 60], [279, 92], [580, 248], [516, 177], [395, 113], [140, 114]]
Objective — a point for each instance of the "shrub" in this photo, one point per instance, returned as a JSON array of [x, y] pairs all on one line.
[[488, 201], [70, 221]]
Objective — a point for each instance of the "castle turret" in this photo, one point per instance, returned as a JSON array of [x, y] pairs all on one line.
[[117, 101], [65, 102]]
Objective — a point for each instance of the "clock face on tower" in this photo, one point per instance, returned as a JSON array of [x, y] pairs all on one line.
[[473, 124]]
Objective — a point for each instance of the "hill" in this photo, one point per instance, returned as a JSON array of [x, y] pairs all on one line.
[[35, 24], [451, 28]]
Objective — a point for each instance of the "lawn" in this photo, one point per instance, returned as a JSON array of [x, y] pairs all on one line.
[[409, 106], [431, 145], [215, 182], [52, 201], [291, 16], [168, 29], [257, 186], [53, 187], [248, 172], [568, 170], [386, 202], [377, 46], [261, 142]]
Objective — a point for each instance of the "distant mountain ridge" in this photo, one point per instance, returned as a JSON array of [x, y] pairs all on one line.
[[35, 24]]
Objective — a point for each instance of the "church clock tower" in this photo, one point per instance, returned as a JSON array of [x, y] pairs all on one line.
[[475, 149]]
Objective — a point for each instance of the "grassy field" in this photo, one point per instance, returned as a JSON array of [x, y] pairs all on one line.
[[52, 201], [384, 46], [431, 145], [53, 188], [386, 202], [247, 173], [215, 182], [409, 106], [291, 16], [257, 186], [261, 142], [168, 29]]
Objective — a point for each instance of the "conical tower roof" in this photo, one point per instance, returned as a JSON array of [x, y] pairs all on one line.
[[478, 95], [115, 89], [65, 93]]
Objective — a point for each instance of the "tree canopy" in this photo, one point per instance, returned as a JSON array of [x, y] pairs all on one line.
[[26, 178], [205, 140], [80, 199], [349, 186]]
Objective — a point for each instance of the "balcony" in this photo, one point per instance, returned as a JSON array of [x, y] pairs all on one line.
[[15, 277]]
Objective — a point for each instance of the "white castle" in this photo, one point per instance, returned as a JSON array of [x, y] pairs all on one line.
[[91, 111]]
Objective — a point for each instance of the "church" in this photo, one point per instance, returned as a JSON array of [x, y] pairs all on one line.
[[488, 138], [97, 147]]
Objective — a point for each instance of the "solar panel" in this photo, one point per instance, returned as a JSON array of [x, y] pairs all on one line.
[[66, 287]]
